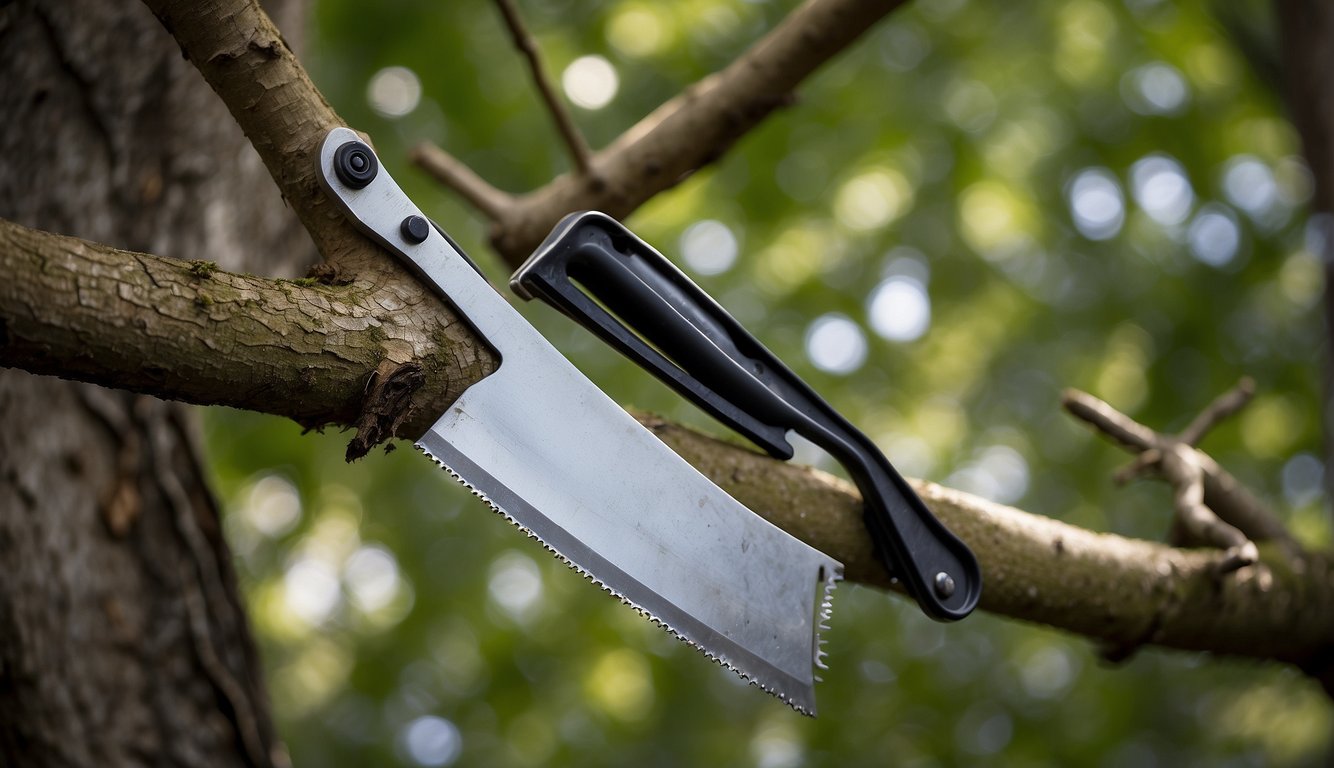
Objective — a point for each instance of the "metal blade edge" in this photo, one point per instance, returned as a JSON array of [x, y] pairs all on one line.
[[796, 693]]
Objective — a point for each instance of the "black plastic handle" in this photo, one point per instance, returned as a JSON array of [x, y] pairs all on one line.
[[591, 264]]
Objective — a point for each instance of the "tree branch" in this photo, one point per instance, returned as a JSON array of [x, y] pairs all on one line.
[[691, 130], [1229, 500], [456, 175], [188, 331], [1222, 407], [246, 61], [569, 132]]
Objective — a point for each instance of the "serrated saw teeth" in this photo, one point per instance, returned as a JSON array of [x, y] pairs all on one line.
[[831, 578]]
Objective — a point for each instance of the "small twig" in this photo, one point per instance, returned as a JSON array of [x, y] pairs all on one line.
[[574, 140], [1108, 420], [453, 173], [1222, 407]]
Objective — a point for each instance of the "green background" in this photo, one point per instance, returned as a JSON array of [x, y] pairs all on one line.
[[403, 623]]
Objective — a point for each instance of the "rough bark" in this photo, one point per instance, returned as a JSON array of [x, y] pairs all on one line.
[[122, 641], [188, 330]]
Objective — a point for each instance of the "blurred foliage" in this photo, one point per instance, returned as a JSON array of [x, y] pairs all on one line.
[[977, 205]]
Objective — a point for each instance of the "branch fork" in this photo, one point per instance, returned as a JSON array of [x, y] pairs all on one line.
[[1210, 507]]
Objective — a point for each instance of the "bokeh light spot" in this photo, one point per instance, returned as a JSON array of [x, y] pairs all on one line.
[[515, 584], [994, 219], [640, 29], [431, 741], [903, 45], [311, 589], [1048, 672], [1214, 236], [371, 576], [273, 506], [1300, 279], [997, 472], [590, 82], [620, 683], [970, 105], [1096, 204], [873, 199], [1249, 185], [709, 247], [1303, 478], [835, 344], [900, 309], [394, 92], [777, 745], [1161, 188], [1155, 89]]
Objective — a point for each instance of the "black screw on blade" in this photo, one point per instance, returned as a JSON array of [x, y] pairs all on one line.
[[414, 229], [355, 164]]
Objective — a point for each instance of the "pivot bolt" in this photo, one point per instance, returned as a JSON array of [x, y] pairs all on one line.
[[944, 585], [414, 229], [355, 164]]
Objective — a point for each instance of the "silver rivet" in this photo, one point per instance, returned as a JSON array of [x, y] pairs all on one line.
[[944, 585]]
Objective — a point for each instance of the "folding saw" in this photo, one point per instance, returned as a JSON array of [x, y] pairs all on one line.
[[543, 446]]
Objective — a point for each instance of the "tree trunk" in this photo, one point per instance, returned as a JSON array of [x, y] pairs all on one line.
[[122, 637], [1306, 29]]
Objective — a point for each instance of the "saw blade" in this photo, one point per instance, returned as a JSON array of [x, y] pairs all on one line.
[[799, 695], [552, 453]]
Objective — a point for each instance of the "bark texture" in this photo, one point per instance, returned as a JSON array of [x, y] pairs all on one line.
[[122, 641], [191, 331]]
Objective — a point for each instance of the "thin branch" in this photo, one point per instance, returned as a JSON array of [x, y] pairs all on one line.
[[1109, 421], [456, 175], [580, 155], [1222, 407], [694, 128], [1143, 463]]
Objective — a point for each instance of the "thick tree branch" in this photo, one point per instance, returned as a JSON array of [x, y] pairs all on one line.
[[689, 131], [187, 331], [246, 61], [1125, 592]]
